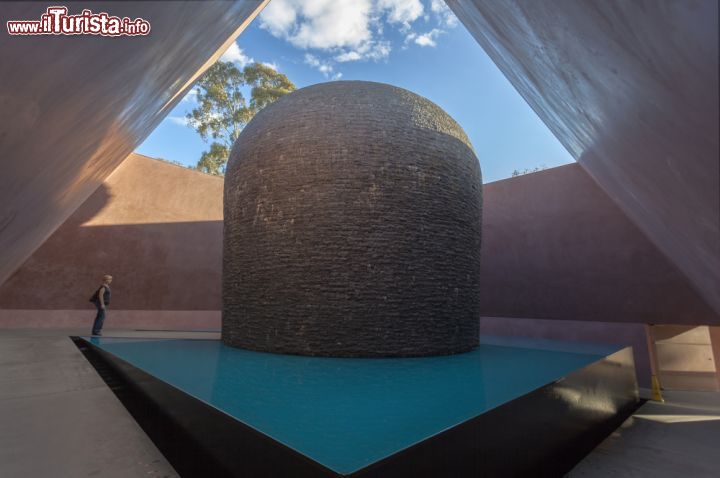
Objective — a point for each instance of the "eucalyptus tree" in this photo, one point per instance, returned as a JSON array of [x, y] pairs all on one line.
[[223, 111]]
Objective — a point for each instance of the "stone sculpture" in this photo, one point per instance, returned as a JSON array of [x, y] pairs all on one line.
[[352, 227]]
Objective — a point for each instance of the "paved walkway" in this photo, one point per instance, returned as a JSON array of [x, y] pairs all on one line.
[[678, 438], [58, 418]]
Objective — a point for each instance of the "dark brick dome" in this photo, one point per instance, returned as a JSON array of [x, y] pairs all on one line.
[[352, 227]]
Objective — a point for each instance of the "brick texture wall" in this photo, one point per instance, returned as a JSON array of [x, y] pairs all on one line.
[[352, 227]]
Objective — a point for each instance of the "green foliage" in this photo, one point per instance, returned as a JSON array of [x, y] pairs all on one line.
[[223, 111], [215, 160], [267, 85], [517, 172]]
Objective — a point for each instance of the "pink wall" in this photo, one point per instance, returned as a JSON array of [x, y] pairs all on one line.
[[556, 247], [561, 261], [156, 227], [715, 343], [684, 357]]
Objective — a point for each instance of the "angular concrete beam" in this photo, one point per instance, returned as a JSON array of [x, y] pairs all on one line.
[[74, 107], [631, 90]]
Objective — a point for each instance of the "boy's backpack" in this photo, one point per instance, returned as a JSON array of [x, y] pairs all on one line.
[[94, 297]]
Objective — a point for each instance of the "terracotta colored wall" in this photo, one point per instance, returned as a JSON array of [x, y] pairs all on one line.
[[631, 89], [685, 357], [555, 246], [156, 227], [73, 108], [715, 343]]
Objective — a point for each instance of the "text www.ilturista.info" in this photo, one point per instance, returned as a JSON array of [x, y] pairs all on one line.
[[56, 21]]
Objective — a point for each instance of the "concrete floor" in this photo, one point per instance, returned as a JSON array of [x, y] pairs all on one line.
[[680, 437], [59, 419]]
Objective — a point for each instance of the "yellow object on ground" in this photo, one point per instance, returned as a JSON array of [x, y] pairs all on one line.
[[656, 394]]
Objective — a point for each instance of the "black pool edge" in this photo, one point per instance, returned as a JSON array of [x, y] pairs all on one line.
[[510, 440], [197, 439], [513, 440]]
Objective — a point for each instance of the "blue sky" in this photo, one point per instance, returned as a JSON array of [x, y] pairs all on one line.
[[415, 44]]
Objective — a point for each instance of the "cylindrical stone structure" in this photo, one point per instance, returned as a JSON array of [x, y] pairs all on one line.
[[352, 227]]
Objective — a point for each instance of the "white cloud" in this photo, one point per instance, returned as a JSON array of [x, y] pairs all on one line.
[[426, 39], [323, 67], [349, 29], [373, 50], [401, 11], [312, 60], [179, 120], [319, 24], [348, 56], [235, 54], [340, 31], [444, 15], [279, 16], [376, 50]]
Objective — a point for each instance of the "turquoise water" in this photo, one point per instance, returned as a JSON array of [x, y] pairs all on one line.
[[348, 413]]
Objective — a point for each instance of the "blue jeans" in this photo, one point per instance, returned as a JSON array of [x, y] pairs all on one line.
[[99, 319]]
